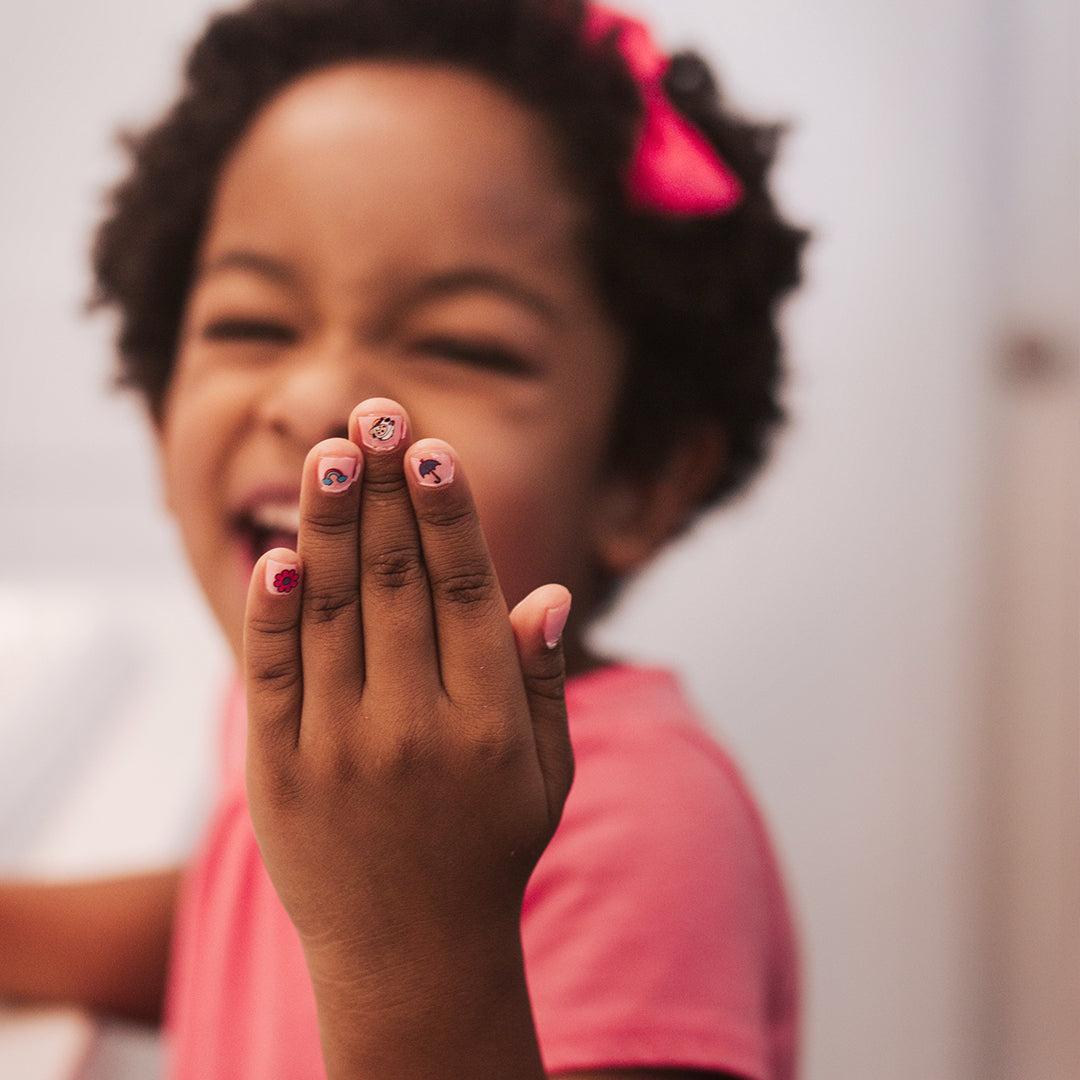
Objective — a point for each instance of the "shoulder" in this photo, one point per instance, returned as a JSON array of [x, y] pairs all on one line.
[[660, 824], [656, 919], [653, 782]]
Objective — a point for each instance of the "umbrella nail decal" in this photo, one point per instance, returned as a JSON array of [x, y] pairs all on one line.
[[435, 469]]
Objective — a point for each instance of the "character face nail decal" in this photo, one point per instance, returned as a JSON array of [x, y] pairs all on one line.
[[336, 474], [381, 432], [383, 428], [433, 469]]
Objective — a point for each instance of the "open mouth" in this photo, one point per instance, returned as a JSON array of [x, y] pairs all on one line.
[[268, 525]]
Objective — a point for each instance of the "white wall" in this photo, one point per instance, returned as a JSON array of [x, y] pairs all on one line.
[[831, 623], [834, 634]]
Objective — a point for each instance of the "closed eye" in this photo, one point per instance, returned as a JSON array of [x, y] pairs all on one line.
[[262, 330], [478, 354]]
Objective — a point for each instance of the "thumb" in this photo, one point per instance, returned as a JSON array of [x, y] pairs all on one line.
[[538, 623]]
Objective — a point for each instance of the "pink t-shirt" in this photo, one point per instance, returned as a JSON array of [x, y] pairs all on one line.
[[655, 928]]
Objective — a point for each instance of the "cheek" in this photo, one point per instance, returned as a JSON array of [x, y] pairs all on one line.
[[195, 426], [536, 516]]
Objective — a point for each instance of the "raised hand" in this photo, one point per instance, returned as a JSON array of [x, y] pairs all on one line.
[[408, 756]]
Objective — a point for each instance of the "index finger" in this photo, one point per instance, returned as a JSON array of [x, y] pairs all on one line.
[[471, 619]]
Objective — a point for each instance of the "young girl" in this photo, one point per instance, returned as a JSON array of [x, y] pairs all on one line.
[[543, 260]]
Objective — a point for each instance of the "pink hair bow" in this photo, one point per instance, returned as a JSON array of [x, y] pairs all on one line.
[[675, 169]]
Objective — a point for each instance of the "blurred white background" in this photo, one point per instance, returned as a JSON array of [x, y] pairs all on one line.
[[886, 631]]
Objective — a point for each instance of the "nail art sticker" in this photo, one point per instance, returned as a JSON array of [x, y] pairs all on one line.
[[430, 467], [286, 580], [336, 474], [381, 432], [435, 469], [383, 428], [281, 577]]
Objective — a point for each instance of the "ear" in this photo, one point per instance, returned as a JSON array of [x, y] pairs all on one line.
[[637, 515]]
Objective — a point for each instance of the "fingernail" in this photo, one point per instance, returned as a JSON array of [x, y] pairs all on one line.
[[338, 474], [554, 623], [433, 469], [281, 577], [381, 431]]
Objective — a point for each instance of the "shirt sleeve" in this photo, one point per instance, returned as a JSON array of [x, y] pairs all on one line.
[[648, 925]]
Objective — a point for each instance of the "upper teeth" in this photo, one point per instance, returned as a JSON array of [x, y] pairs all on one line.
[[277, 517]]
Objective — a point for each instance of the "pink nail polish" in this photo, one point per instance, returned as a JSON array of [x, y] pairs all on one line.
[[337, 474], [434, 469], [281, 577], [554, 623], [381, 431]]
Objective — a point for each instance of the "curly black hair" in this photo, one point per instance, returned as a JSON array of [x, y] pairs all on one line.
[[696, 296]]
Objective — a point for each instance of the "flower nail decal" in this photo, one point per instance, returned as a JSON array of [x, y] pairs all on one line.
[[286, 580], [281, 577]]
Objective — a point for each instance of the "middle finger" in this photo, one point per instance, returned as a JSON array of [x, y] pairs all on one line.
[[398, 629]]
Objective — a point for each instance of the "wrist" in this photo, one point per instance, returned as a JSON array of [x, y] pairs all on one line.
[[447, 1005]]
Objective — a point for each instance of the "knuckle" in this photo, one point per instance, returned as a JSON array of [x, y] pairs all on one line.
[[330, 524], [467, 588], [275, 676], [270, 653], [485, 741], [344, 768], [329, 607], [491, 748], [548, 684], [408, 755], [283, 790], [262, 626], [448, 515], [396, 568], [379, 484]]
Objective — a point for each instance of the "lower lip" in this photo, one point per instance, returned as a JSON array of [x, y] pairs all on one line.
[[244, 562]]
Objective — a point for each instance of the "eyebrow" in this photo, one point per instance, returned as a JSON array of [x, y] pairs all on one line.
[[242, 259], [480, 279], [431, 288]]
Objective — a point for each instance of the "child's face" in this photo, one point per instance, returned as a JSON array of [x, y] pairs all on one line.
[[400, 231]]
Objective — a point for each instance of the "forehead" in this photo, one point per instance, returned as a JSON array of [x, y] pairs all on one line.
[[430, 159]]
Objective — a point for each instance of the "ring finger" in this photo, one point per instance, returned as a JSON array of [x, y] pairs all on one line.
[[331, 637]]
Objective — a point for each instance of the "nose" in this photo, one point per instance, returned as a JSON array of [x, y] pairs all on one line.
[[312, 392]]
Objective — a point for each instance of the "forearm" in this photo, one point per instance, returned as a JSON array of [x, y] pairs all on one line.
[[100, 944]]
